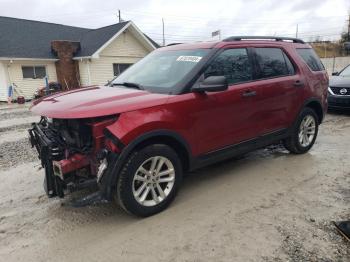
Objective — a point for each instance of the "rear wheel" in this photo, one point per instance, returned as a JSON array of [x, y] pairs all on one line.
[[149, 180], [304, 132]]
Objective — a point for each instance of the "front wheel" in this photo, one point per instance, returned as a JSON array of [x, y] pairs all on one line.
[[149, 180], [304, 132]]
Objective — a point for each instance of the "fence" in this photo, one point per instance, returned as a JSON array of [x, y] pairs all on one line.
[[335, 64]]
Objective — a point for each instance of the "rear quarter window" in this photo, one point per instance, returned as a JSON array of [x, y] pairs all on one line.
[[310, 58]]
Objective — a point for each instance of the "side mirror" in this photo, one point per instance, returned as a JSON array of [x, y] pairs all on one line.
[[212, 84], [335, 73]]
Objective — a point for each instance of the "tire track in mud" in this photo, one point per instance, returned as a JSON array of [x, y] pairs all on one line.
[[15, 114]]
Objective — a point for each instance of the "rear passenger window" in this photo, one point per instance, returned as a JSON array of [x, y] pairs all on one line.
[[272, 62], [310, 58], [234, 64]]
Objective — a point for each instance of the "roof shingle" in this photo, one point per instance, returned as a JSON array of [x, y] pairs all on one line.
[[21, 38]]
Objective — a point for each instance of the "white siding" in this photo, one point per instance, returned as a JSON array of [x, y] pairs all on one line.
[[3, 82], [124, 49], [29, 86], [125, 45]]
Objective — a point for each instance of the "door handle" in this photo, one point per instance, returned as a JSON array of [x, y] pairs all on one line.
[[249, 93], [298, 83]]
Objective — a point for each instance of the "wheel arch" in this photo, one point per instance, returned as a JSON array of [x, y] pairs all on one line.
[[315, 105], [171, 138]]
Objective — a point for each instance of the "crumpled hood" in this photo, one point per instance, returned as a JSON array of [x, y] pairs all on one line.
[[95, 101], [339, 81]]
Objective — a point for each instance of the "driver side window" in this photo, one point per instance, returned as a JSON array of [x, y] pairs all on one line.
[[234, 64]]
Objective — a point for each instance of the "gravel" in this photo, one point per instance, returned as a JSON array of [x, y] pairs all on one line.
[[268, 205], [16, 152], [12, 115]]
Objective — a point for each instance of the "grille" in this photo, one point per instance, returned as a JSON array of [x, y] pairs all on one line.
[[336, 90]]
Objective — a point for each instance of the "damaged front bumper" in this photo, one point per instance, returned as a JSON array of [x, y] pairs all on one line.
[[47, 151], [59, 169]]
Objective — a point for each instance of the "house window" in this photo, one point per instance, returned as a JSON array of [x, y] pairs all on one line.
[[34, 72], [120, 68]]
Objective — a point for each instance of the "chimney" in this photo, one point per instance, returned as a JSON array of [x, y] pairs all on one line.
[[66, 68]]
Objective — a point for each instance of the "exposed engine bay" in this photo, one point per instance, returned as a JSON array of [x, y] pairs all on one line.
[[69, 136], [72, 151]]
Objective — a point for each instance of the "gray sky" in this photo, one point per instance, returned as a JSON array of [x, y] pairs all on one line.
[[187, 21]]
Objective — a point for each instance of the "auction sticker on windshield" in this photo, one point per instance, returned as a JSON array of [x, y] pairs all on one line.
[[188, 58]]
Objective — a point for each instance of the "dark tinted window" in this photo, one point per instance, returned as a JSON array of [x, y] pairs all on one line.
[[310, 58], [33, 72], [28, 72], [232, 63], [40, 71], [120, 68], [289, 64], [272, 63]]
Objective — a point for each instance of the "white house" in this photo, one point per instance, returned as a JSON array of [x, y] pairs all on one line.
[[73, 56]]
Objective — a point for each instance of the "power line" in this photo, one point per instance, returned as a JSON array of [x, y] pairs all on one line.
[[206, 18]]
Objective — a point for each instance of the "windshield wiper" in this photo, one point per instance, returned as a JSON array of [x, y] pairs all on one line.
[[129, 84]]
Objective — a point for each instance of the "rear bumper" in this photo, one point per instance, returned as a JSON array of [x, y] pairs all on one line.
[[338, 102]]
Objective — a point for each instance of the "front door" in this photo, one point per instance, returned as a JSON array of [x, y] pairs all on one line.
[[225, 118]]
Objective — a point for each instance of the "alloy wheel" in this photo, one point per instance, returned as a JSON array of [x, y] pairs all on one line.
[[153, 181], [307, 130]]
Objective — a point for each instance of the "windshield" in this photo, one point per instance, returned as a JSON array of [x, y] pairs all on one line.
[[345, 72], [160, 71]]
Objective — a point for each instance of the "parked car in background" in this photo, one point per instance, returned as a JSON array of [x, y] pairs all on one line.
[[339, 89], [180, 108]]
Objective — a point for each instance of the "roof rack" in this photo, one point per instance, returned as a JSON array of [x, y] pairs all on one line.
[[276, 38]]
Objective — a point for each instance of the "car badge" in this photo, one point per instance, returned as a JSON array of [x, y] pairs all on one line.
[[343, 91]]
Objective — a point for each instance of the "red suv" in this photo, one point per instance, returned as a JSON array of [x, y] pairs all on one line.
[[180, 108]]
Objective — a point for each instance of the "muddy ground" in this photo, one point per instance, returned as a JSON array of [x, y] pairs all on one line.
[[265, 206]]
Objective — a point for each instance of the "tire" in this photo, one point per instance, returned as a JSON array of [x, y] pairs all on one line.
[[296, 145], [136, 185]]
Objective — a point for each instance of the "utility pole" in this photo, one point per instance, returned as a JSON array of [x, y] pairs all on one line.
[[349, 29], [163, 32], [296, 31], [120, 19]]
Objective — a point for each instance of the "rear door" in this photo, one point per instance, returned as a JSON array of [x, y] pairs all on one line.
[[278, 82]]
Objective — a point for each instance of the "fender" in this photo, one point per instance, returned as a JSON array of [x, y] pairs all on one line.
[[109, 179], [314, 100]]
